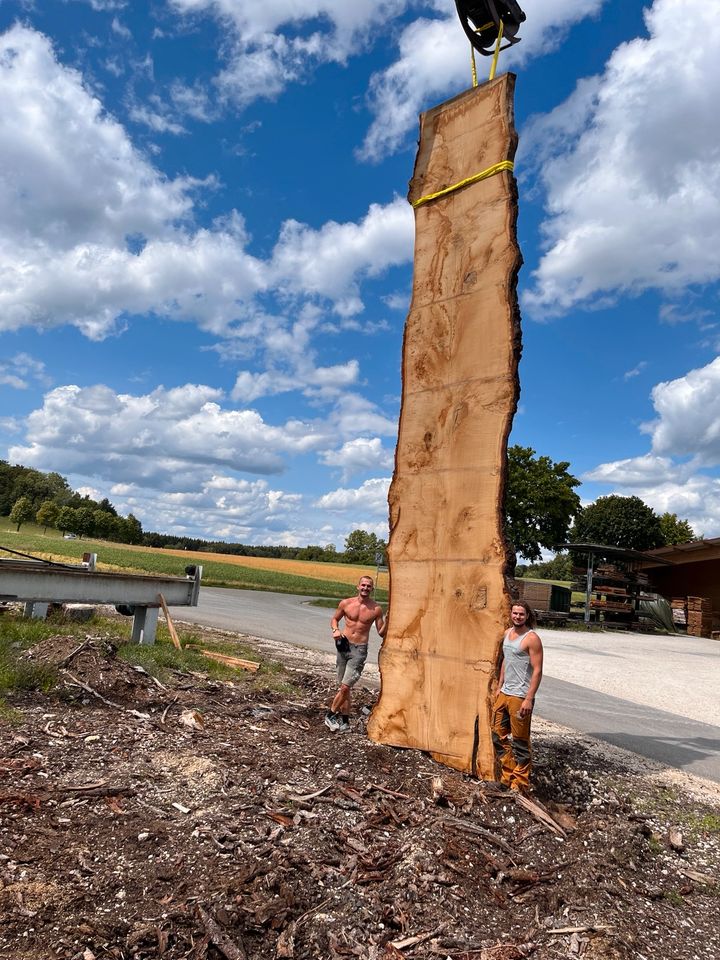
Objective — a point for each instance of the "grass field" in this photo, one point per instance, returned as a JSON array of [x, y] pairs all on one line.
[[220, 570]]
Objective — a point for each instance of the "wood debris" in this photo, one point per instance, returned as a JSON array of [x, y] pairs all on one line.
[[270, 840]]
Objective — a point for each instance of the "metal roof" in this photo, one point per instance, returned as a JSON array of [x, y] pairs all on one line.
[[684, 547], [618, 553]]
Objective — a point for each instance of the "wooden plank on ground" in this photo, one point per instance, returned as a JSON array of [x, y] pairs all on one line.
[[238, 662]]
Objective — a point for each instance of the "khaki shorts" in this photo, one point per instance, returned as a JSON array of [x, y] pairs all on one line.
[[350, 665]]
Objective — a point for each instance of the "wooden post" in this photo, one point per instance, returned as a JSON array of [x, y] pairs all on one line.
[[448, 560], [170, 625]]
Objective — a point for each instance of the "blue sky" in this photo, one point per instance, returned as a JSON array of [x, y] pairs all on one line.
[[206, 250]]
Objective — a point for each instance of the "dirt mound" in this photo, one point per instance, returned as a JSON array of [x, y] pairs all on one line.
[[209, 819]]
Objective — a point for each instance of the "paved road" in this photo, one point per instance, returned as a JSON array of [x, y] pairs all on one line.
[[655, 696]]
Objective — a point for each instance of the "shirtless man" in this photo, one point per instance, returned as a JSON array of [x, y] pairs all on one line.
[[520, 676], [359, 613]]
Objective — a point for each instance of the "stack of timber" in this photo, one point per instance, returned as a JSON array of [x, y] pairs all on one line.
[[534, 592], [678, 605], [447, 556], [550, 601], [699, 616]]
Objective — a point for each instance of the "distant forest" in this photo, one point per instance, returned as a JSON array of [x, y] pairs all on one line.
[[27, 495]]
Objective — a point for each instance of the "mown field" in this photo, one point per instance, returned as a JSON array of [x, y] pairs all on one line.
[[219, 570]]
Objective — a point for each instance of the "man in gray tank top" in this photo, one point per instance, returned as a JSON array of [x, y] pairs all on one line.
[[520, 676]]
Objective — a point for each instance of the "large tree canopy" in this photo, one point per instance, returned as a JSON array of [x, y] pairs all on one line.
[[540, 502], [615, 521]]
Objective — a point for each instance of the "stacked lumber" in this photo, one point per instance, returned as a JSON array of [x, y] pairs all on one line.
[[613, 591], [699, 616], [536, 594], [678, 606], [618, 606]]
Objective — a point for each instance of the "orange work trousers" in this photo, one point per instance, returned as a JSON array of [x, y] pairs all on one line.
[[511, 740]]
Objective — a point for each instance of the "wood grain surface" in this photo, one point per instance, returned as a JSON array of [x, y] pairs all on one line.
[[449, 602]]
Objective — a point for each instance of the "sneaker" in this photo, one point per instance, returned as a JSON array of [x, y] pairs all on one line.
[[343, 725], [332, 721]]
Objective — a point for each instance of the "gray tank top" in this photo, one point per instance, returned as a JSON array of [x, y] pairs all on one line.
[[518, 669]]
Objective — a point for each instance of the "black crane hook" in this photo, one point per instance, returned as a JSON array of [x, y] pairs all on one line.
[[481, 20]]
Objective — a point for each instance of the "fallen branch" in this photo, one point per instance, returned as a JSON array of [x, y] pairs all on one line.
[[409, 942], [589, 928], [167, 708], [390, 793], [481, 832], [226, 946], [88, 689], [66, 660], [540, 813], [100, 789]]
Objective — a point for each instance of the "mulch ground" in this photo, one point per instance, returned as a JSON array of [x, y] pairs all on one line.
[[203, 819]]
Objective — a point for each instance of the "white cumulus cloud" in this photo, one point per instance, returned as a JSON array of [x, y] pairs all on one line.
[[677, 474], [161, 439], [360, 455], [368, 499], [631, 166], [272, 43], [92, 233]]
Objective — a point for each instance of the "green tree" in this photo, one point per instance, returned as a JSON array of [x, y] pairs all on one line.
[[615, 521], [17, 481], [364, 547], [134, 529], [675, 530], [85, 522], [540, 502], [22, 511], [559, 568], [102, 524], [67, 520], [47, 514]]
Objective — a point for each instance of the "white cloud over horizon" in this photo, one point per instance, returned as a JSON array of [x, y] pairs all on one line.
[[679, 473], [172, 456]]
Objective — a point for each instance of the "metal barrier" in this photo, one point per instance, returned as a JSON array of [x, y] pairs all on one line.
[[39, 583]]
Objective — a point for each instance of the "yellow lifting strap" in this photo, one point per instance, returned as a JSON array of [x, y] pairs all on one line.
[[483, 175], [493, 65]]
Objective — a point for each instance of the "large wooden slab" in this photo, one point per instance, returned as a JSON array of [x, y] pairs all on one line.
[[447, 557]]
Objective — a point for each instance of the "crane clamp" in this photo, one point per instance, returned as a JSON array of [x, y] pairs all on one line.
[[484, 21]]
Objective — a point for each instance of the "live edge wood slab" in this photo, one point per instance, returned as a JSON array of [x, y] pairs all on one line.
[[447, 557]]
